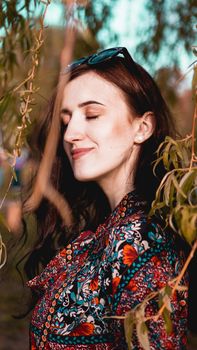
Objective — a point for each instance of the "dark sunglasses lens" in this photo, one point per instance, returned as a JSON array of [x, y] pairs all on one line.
[[75, 64], [78, 62], [102, 56]]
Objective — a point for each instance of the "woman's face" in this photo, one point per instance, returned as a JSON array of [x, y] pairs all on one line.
[[99, 130]]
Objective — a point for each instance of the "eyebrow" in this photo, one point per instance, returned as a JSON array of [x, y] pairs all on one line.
[[89, 103], [80, 105]]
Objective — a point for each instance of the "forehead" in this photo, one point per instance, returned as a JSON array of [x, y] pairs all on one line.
[[93, 87]]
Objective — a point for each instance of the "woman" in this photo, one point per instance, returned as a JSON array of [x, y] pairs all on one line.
[[113, 119]]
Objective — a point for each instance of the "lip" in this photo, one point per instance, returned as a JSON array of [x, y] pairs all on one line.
[[80, 152]]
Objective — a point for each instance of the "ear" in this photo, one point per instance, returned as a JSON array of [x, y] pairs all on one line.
[[146, 127]]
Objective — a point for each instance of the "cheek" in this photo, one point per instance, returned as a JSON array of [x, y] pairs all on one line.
[[122, 135]]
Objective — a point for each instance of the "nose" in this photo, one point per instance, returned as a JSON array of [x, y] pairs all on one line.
[[74, 130]]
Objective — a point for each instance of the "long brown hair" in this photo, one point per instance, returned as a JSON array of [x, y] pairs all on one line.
[[87, 201]]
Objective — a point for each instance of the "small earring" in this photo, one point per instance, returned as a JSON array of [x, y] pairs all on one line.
[[140, 138]]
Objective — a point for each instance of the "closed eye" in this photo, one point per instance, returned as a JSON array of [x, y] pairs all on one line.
[[92, 116]]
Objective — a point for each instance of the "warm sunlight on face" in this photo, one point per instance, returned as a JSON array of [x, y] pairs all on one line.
[[99, 131]]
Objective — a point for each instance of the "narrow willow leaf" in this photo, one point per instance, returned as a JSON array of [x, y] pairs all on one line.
[[172, 196], [192, 197], [171, 141], [166, 156], [188, 223], [161, 146], [156, 163], [166, 312], [186, 151], [171, 222], [158, 195], [128, 328], [179, 151], [14, 174], [168, 188], [167, 302], [168, 290], [160, 300], [177, 186], [174, 158], [167, 320], [186, 184], [142, 334], [156, 206], [175, 219]]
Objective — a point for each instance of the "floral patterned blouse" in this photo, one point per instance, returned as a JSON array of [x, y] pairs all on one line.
[[107, 273]]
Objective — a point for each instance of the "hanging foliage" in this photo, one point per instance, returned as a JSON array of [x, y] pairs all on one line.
[[176, 203]]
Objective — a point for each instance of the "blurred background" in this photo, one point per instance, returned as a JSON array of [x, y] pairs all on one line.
[[159, 34]]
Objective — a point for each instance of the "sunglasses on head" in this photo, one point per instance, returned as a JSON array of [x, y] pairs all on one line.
[[101, 57]]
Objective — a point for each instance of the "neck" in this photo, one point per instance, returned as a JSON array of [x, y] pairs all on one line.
[[115, 200], [117, 183], [116, 191]]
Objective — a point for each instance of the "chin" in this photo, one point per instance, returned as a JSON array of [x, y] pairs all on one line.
[[84, 177]]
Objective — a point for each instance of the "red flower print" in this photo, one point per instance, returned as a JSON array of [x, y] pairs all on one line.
[[107, 240], [182, 302], [63, 276], [129, 254], [115, 283], [169, 345], [94, 284], [83, 329], [174, 296], [161, 284], [132, 286], [135, 216], [63, 252], [156, 260], [95, 301]]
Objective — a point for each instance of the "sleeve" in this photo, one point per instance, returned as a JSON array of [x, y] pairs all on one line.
[[145, 263]]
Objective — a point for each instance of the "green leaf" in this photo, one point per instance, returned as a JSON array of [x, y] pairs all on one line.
[[186, 221], [14, 173], [168, 290], [174, 158], [192, 196], [166, 156], [128, 328], [169, 190], [142, 334], [160, 300], [164, 298], [177, 186], [186, 184], [167, 320], [156, 206]]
